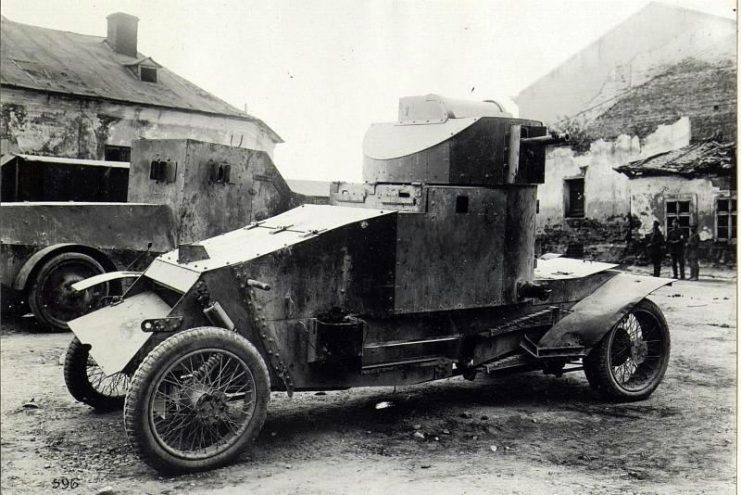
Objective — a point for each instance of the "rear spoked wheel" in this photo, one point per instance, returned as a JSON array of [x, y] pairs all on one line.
[[630, 361], [197, 400]]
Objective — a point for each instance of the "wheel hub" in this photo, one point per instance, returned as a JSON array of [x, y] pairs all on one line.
[[70, 299], [211, 407]]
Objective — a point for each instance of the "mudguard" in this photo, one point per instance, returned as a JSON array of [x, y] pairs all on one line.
[[21, 278], [103, 278], [114, 333], [592, 317]]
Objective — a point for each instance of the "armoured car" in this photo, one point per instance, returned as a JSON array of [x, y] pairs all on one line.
[[424, 271]]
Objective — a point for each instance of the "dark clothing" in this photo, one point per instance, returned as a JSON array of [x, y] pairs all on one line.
[[678, 259], [675, 240], [693, 255], [656, 250]]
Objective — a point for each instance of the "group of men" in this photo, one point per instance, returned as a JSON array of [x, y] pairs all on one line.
[[680, 248]]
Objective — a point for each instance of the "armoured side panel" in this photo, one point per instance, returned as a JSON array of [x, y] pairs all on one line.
[[254, 190], [479, 154], [213, 188], [452, 257], [430, 166], [123, 226], [351, 268], [144, 189], [519, 238]]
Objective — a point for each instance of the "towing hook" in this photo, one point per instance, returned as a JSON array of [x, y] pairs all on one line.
[[530, 290]]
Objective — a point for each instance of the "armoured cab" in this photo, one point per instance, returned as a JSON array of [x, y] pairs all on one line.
[[463, 178]]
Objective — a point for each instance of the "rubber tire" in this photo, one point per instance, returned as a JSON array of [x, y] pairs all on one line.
[[599, 375], [78, 383], [34, 296], [136, 414]]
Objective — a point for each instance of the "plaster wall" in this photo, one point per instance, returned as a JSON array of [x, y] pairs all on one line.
[[606, 192], [648, 196], [67, 126]]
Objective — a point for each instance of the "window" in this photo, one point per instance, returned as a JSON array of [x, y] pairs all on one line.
[[574, 191], [148, 74], [680, 211], [117, 153], [725, 219]]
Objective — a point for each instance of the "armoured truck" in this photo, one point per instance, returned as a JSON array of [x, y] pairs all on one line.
[[424, 271], [65, 220]]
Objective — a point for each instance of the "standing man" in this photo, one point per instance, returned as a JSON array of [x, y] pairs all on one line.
[[693, 253], [656, 248], [676, 240]]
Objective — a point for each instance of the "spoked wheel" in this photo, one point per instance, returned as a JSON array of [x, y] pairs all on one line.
[[630, 361], [197, 400], [89, 384], [53, 300]]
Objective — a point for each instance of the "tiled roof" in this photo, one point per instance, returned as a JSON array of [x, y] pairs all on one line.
[[62, 62], [705, 158]]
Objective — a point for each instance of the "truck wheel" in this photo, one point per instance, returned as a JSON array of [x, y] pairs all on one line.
[[52, 299], [197, 400], [630, 361], [88, 384]]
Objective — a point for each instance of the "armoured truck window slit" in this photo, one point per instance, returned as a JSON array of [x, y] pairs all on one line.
[[461, 204], [163, 171], [373, 290]]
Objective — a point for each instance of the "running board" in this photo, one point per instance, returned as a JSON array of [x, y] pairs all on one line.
[[416, 363], [537, 352], [516, 361]]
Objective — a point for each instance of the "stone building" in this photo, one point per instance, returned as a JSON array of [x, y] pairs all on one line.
[[70, 95], [624, 101]]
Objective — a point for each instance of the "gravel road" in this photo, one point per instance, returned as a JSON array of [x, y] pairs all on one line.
[[523, 434]]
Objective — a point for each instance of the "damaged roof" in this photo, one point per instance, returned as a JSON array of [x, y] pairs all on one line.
[[48, 60], [706, 158]]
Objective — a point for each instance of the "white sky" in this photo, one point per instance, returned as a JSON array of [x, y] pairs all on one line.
[[320, 71]]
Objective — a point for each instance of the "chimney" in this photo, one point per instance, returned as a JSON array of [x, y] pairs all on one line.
[[122, 33]]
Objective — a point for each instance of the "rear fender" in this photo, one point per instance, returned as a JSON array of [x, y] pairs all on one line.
[[33, 263], [595, 315]]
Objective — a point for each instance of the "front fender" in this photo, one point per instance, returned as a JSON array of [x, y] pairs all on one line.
[[114, 333], [103, 278], [592, 317]]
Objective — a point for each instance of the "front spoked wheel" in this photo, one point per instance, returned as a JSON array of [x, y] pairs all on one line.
[[87, 382], [630, 361], [197, 400]]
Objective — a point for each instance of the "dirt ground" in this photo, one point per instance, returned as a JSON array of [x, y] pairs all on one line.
[[552, 436]]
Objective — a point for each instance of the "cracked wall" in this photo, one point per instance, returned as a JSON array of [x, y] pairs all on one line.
[[65, 126]]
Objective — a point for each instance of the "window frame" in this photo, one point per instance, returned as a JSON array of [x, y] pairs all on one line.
[[568, 207], [690, 214], [730, 214], [153, 71]]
